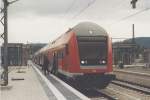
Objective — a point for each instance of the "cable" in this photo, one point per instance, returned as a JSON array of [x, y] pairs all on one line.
[[132, 15], [127, 17], [82, 10], [69, 8], [91, 3], [116, 6]]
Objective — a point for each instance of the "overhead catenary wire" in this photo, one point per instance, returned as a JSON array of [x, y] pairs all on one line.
[[69, 8], [82, 10], [124, 18], [118, 5], [86, 7], [91, 3], [130, 16]]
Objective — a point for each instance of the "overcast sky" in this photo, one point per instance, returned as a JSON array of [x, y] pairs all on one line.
[[43, 20]]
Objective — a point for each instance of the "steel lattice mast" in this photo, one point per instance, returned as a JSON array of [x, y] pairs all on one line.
[[4, 22]]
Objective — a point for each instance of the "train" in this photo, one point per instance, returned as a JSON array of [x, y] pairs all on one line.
[[83, 53]]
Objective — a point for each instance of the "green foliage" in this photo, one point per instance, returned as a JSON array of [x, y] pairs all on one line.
[[143, 42]]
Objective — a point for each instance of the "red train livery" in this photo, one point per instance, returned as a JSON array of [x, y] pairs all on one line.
[[84, 53]]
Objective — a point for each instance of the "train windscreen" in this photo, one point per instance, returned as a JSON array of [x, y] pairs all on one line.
[[92, 50]]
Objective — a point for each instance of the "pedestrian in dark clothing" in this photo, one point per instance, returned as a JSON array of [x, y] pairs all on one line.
[[45, 65]]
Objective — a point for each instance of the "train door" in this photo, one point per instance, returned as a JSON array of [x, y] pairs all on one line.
[[55, 63]]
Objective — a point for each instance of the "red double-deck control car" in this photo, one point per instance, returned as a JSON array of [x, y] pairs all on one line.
[[83, 53]]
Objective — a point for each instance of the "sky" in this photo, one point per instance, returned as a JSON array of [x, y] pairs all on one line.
[[41, 21]]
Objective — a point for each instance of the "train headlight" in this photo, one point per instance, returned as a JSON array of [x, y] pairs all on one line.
[[82, 62], [103, 62]]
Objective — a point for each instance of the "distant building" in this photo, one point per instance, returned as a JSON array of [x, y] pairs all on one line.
[[124, 52], [14, 54], [146, 55], [19, 53]]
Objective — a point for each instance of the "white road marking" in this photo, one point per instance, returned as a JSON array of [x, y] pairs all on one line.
[[83, 97], [55, 91]]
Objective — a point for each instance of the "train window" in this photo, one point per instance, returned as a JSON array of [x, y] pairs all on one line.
[[61, 54], [58, 55], [98, 50], [92, 38]]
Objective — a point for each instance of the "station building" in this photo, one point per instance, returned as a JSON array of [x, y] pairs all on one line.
[[147, 57], [19, 53], [124, 52]]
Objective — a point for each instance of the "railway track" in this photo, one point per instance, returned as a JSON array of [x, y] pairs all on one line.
[[141, 79], [132, 86], [105, 95], [92, 93], [110, 93]]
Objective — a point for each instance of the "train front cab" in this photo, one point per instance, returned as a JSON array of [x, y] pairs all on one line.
[[85, 54], [90, 58], [95, 60]]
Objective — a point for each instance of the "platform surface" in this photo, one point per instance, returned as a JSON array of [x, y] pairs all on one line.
[[23, 86]]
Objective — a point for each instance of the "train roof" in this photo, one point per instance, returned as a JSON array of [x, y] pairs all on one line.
[[42, 50], [81, 29], [89, 29]]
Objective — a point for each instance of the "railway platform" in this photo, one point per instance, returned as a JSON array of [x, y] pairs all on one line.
[[23, 85], [29, 83]]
